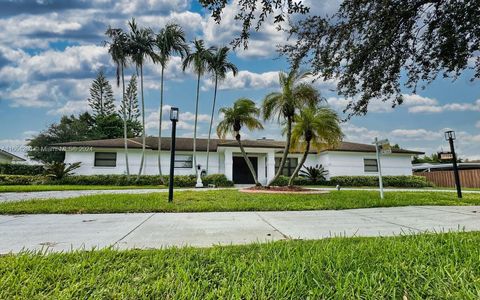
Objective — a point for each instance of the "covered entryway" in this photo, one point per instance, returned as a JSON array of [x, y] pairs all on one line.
[[241, 172]]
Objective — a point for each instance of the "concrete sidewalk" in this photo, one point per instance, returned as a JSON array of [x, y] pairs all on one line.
[[157, 230], [12, 197]]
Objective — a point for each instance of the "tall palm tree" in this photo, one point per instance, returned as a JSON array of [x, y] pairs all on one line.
[[316, 128], [284, 105], [140, 47], [219, 66], [198, 60], [170, 40], [243, 113], [118, 51]]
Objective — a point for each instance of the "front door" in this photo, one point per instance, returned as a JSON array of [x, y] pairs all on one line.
[[241, 172]]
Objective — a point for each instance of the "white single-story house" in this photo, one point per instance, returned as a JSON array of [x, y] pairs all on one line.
[[108, 157], [8, 158]]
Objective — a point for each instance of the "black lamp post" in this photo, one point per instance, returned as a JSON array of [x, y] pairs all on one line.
[[174, 119], [450, 137]]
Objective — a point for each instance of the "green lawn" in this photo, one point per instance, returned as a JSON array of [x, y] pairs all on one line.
[[43, 188], [232, 200], [438, 266]]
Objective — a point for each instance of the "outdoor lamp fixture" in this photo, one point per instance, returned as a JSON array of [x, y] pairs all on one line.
[[174, 114], [450, 137], [174, 119]]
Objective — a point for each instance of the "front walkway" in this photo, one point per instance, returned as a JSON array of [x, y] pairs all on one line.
[[156, 230]]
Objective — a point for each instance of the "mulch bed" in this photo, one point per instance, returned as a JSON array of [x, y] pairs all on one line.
[[281, 190]]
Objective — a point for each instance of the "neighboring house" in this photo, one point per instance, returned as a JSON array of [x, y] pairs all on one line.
[[7, 157], [107, 157]]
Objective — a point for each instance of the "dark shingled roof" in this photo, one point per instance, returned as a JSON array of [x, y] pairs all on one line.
[[186, 144], [13, 156]]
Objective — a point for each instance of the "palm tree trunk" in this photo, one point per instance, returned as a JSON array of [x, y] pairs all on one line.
[[211, 120], [300, 164], [160, 111], [142, 160], [125, 135], [195, 127], [247, 160], [285, 151]]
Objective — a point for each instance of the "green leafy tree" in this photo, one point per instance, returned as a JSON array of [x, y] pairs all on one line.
[[369, 47], [284, 105], [218, 65], [101, 96], [130, 101], [140, 48], [169, 41], [111, 127], [315, 128], [118, 51], [244, 113], [69, 129], [198, 60]]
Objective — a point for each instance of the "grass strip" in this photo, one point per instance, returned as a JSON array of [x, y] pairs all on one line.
[[231, 200], [433, 266]]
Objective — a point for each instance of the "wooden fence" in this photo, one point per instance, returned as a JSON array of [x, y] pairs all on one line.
[[468, 178]]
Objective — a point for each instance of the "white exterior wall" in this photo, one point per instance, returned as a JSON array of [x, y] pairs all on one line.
[[351, 164], [134, 157], [336, 163]]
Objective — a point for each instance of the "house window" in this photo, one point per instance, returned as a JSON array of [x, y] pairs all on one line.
[[370, 165], [289, 167], [105, 159], [183, 161]]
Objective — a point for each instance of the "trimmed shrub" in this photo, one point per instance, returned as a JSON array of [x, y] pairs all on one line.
[[182, 180], [358, 181], [217, 179], [122, 180], [117, 180], [388, 181], [21, 180], [19, 169]]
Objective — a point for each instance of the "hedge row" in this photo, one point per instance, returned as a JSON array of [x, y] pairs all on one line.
[[117, 180], [19, 169], [217, 179], [358, 181], [388, 181]]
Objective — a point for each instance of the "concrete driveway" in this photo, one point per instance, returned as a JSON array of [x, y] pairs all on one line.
[[157, 230]]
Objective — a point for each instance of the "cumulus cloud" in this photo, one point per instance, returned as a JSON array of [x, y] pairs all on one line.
[[51, 94], [360, 134], [245, 80], [413, 102], [70, 108], [475, 106], [251, 80], [416, 134], [74, 61]]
